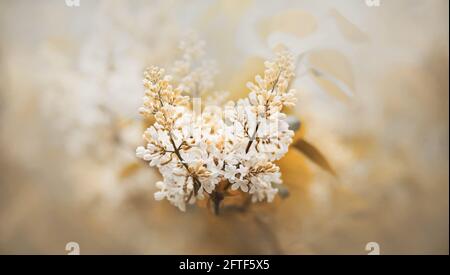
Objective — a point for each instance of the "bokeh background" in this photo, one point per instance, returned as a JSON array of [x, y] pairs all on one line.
[[373, 95]]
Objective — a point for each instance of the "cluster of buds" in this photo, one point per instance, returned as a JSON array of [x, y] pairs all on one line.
[[203, 152]]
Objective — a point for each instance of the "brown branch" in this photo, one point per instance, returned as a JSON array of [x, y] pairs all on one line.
[[251, 139], [257, 125], [176, 150]]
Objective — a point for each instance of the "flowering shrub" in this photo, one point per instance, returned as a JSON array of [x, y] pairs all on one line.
[[202, 153]]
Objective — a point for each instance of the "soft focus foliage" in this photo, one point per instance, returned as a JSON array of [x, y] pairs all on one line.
[[372, 90]]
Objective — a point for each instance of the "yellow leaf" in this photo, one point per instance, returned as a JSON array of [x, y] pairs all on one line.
[[332, 71], [294, 171], [129, 169], [349, 30], [296, 22]]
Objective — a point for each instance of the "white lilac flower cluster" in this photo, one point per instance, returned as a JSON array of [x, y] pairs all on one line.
[[236, 148]]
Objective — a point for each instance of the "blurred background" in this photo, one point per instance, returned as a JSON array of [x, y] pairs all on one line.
[[373, 93]]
